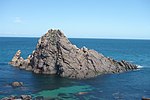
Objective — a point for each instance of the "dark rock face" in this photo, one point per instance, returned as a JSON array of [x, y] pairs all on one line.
[[54, 54]]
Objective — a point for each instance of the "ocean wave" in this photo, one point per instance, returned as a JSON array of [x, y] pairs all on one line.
[[139, 66]]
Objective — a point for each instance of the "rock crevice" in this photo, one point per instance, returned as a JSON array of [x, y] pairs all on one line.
[[54, 54]]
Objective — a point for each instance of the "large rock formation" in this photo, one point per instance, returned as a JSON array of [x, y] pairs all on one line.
[[54, 54]]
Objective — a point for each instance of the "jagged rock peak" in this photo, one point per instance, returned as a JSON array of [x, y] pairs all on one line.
[[55, 54]]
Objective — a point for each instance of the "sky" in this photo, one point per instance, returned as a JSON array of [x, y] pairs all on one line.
[[120, 19]]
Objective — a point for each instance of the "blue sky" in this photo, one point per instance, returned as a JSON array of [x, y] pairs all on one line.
[[127, 19]]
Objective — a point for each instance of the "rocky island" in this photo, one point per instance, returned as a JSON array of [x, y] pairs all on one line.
[[55, 54]]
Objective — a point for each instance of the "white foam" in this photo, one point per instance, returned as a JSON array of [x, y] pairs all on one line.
[[139, 66]]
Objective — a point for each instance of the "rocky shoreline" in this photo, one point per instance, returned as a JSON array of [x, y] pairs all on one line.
[[21, 97], [55, 54]]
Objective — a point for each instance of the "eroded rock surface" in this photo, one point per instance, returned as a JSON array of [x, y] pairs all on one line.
[[54, 54]]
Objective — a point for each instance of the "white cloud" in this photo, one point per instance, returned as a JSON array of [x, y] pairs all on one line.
[[17, 20]]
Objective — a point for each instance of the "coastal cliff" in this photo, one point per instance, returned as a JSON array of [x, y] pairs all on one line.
[[55, 54]]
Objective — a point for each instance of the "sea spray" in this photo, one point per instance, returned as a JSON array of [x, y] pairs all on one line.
[[139, 66]]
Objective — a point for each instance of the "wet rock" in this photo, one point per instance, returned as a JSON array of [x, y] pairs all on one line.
[[54, 54], [5, 98], [17, 84], [26, 97], [22, 97], [29, 68]]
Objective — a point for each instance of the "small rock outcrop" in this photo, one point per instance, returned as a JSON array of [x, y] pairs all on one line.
[[16, 84], [55, 54]]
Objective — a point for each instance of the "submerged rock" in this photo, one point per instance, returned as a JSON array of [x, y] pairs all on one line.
[[82, 93], [55, 54]]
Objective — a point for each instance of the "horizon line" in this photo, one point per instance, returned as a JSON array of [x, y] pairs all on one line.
[[79, 37]]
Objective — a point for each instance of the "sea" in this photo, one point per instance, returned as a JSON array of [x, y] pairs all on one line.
[[131, 85]]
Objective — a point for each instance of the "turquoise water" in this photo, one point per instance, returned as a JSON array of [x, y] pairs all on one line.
[[130, 85]]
